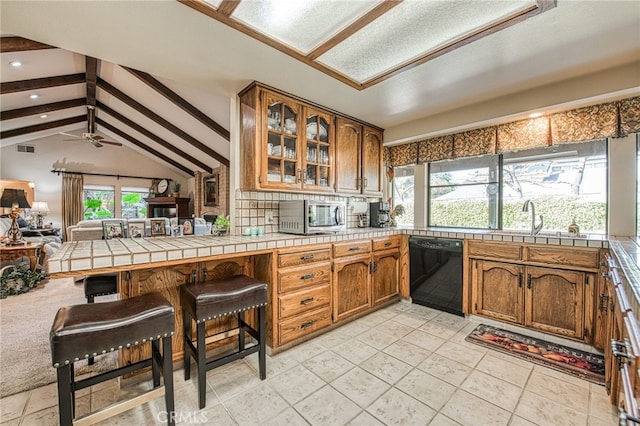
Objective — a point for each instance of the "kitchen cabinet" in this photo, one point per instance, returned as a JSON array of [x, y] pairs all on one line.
[[385, 273], [303, 301], [358, 158], [547, 288], [351, 278], [286, 144]]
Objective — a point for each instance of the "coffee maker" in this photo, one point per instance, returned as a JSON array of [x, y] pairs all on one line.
[[379, 214]]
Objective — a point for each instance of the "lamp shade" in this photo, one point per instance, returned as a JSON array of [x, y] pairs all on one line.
[[14, 198], [40, 207]]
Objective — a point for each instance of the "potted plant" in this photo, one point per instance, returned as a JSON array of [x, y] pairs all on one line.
[[17, 279], [221, 225], [176, 189]]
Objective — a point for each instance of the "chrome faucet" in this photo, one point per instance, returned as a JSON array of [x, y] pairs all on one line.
[[525, 208]]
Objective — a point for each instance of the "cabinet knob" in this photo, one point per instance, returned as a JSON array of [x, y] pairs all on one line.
[[307, 301], [306, 277]]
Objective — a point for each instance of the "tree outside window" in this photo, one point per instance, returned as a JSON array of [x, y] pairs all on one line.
[[98, 202], [133, 205]]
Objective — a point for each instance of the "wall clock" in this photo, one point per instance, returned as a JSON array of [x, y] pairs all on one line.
[[163, 185]]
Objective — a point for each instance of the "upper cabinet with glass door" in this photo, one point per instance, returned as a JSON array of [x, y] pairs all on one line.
[[288, 144], [281, 117], [317, 171]]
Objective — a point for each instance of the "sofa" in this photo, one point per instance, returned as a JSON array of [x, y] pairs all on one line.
[[86, 230]]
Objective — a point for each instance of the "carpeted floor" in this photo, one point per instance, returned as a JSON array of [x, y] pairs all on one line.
[[25, 321], [587, 366]]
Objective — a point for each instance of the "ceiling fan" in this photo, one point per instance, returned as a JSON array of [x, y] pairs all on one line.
[[94, 139], [90, 136]]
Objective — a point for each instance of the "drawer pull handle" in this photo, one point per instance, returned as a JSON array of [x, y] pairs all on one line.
[[354, 248], [387, 244], [307, 324], [306, 301], [306, 277], [307, 257]]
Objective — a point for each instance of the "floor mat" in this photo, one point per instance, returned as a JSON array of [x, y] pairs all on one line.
[[568, 360]]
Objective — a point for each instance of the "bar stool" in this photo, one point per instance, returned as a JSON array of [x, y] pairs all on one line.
[[215, 299], [99, 285], [81, 331]]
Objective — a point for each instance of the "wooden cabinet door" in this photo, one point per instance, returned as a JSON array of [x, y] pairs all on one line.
[[317, 150], [348, 156], [166, 281], [386, 275], [614, 319], [281, 156], [555, 301], [351, 286], [601, 311], [372, 162], [498, 290]]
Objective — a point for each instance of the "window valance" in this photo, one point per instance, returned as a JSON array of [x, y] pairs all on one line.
[[612, 119]]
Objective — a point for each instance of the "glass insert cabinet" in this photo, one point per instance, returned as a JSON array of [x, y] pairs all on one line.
[[286, 143]]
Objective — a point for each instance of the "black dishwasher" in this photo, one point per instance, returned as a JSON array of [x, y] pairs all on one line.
[[436, 273]]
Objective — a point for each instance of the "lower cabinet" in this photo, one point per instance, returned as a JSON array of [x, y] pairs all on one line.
[[385, 277], [547, 299], [351, 286]]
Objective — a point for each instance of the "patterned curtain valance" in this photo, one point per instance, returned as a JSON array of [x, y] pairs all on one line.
[[523, 134], [612, 119], [435, 149], [630, 116], [475, 142], [583, 124]]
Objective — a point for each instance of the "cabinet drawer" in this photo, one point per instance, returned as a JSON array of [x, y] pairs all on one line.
[[573, 256], [295, 278], [301, 258], [301, 325], [494, 250], [304, 300], [351, 248], [386, 243]]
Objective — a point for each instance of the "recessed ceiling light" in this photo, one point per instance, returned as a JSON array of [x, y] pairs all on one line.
[[535, 115], [44, 116], [15, 64], [34, 96]]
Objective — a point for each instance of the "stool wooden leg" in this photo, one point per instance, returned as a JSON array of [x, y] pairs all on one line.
[[155, 365], [167, 373], [186, 353], [202, 363], [262, 353], [90, 299], [241, 331], [65, 404]]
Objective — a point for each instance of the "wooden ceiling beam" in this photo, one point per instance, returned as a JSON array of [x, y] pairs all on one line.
[[160, 121], [41, 109], [91, 72], [180, 102], [350, 30], [41, 83], [138, 128], [143, 146], [228, 6], [42, 126], [18, 44]]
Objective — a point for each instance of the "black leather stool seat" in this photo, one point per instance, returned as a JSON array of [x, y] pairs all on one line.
[[213, 299], [100, 285], [81, 331], [222, 297]]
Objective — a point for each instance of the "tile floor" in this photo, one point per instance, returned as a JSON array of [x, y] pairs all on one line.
[[404, 364]]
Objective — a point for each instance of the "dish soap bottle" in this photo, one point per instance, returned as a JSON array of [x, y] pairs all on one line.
[[574, 229]]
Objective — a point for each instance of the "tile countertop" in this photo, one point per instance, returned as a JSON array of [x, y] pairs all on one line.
[[626, 251], [76, 257]]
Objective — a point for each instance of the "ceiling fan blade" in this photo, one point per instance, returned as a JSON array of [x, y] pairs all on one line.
[[96, 137], [111, 143], [95, 143]]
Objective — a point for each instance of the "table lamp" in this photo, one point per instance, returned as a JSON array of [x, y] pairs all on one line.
[[40, 208], [15, 200]]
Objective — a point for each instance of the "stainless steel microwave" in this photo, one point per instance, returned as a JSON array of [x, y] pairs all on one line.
[[308, 217]]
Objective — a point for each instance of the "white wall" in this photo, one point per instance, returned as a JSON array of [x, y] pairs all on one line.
[[51, 153], [622, 179]]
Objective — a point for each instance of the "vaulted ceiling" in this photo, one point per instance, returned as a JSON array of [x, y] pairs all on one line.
[[56, 92], [180, 44]]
